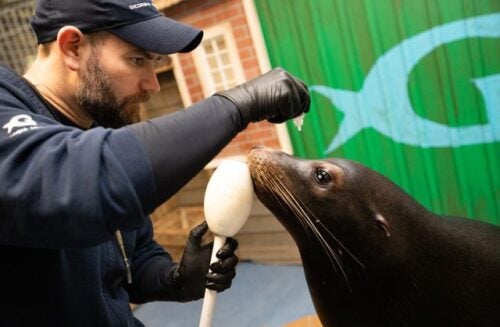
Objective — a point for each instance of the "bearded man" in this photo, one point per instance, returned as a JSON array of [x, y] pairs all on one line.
[[80, 173]]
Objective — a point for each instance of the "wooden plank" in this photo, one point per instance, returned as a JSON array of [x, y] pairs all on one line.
[[261, 224]]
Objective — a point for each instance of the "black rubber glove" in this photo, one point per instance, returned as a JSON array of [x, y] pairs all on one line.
[[276, 96], [191, 276]]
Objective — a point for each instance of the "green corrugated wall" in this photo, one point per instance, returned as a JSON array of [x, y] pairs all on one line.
[[409, 88]]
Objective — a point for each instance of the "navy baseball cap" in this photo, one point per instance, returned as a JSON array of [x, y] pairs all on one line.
[[137, 22]]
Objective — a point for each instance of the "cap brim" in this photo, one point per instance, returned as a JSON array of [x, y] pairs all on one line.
[[160, 35]]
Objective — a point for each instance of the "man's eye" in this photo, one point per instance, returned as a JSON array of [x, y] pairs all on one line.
[[158, 62], [138, 61]]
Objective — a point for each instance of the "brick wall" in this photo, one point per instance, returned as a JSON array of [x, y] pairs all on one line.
[[204, 14]]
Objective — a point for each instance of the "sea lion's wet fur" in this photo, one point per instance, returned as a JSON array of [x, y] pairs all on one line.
[[372, 255]]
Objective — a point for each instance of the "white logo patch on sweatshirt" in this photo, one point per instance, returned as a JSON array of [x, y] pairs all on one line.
[[20, 124]]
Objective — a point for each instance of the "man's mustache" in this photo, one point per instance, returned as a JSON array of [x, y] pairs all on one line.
[[138, 98]]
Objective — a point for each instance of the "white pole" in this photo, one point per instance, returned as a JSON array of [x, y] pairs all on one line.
[[210, 295]]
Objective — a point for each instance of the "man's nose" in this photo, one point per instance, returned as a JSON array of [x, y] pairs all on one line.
[[150, 82]]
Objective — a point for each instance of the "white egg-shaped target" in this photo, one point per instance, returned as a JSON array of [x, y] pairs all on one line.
[[228, 198]]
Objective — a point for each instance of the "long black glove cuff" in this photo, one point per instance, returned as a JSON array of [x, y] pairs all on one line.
[[181, 144]]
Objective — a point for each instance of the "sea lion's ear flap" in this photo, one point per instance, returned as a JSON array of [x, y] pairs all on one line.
[[383, 223]]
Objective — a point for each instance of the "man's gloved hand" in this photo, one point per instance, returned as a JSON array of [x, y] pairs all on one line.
[[276, 96], [191, 276]]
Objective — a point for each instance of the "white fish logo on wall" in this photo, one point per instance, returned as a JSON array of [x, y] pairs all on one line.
[[385, 105]]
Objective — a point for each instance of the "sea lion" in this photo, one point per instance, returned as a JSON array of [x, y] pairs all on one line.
[[372, 255]]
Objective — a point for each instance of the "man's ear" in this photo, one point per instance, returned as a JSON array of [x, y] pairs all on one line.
[[71, 42]]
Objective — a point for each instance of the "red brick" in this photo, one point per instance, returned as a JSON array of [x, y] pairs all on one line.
[[244, 42], [206, 21], [238, 21]]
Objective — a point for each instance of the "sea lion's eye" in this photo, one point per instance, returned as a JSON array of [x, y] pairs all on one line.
[[322, 176]]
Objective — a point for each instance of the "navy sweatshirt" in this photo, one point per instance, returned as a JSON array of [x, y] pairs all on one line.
[[64, 191]]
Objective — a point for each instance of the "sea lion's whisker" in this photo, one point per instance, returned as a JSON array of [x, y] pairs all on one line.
[[299, 208], [331, 254], [318, 221], [284, 196], [341, 245], [282, 193], [296, 206]]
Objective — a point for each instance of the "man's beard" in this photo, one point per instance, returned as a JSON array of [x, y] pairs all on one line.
[[96, 98]]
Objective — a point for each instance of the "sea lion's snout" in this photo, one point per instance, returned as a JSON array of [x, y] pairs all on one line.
[[261, 159], [268, 168]]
